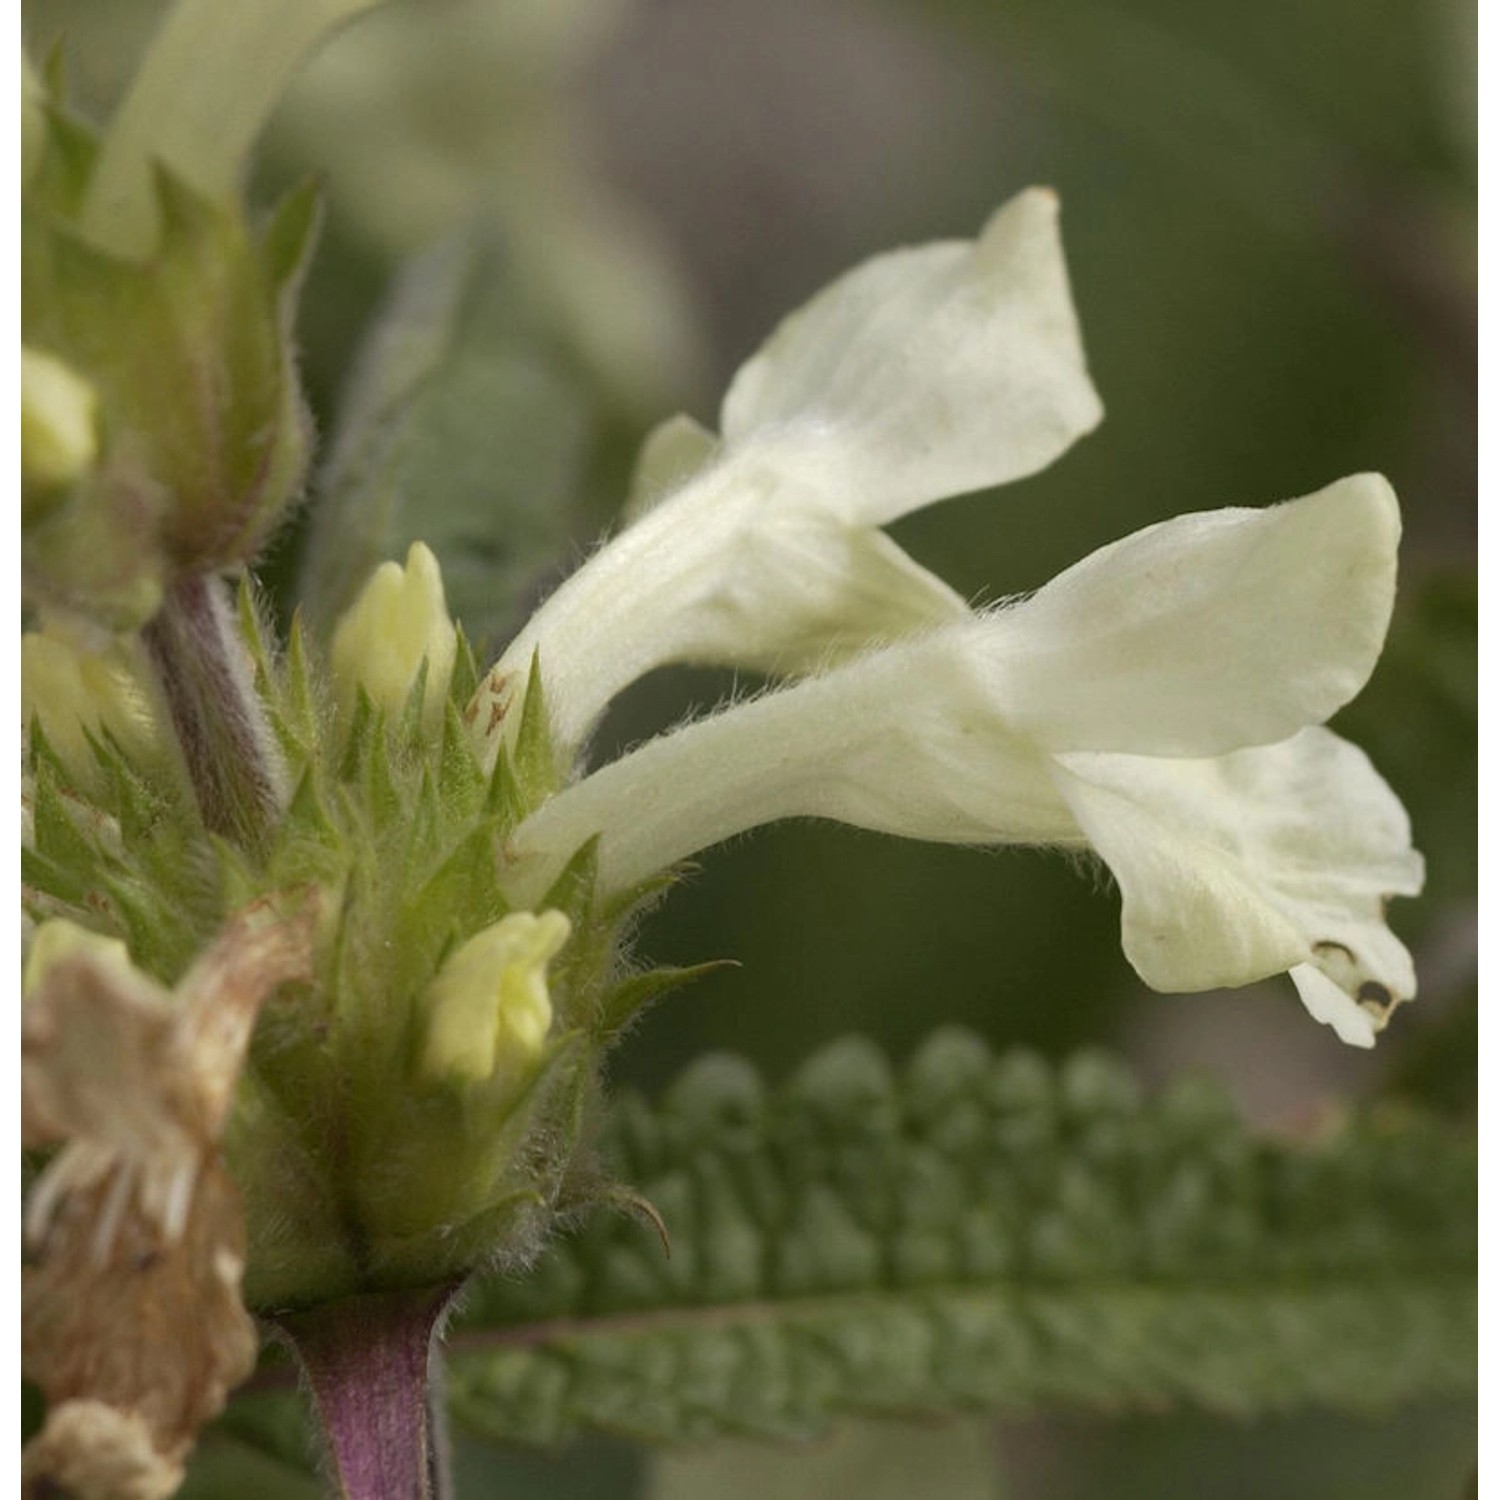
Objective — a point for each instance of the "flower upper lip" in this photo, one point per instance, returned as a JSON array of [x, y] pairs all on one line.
[[919, 375]]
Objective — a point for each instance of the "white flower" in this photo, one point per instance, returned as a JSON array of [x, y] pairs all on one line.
[[1159, 702], [919, 375]]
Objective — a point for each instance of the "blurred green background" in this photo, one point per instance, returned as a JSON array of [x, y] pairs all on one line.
[[1269, 218]]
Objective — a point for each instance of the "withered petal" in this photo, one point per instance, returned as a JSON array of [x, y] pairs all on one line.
[[91, 1451], [155, 1328]]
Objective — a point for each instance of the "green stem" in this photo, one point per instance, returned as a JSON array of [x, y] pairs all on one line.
[[367, 1361], [205, 675]]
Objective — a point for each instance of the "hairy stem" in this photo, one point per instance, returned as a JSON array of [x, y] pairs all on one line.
[[230, 753], [367, 1362]]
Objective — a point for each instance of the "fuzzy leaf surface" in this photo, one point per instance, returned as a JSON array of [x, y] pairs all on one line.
[[978, 1231]]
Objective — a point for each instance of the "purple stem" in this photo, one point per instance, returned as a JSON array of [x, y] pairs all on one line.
[[367, 1361], [230, 753]]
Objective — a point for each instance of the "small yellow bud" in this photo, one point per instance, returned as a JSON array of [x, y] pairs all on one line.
[[59, 441], [75, 692], [399, 619], [488, 1011]]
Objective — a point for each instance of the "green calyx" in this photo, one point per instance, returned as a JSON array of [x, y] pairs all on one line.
[[417, 1110], [200, 438]]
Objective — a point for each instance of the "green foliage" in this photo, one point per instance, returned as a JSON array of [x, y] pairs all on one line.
[[189, 352], [978, 1231], [123, 851], [1420, 723], [461, 427], [261, 1445], [359, 1167]]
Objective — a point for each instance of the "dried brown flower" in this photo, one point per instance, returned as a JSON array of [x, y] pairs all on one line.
[[132, 1321]]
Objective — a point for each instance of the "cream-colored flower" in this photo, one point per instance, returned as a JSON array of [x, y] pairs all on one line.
[[1153, 702], [919, 375], [1159, 702]]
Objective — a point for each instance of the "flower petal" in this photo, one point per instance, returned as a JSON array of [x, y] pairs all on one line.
[[1209, 632], [896, 741], [919, 375], [1327, 1003], [1269, 859], [740, 567], [928, 372], [671, 453]]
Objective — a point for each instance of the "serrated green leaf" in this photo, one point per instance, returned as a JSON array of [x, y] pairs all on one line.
[[464, 678], [462, 781], [58, 837], [462, 893], [47, 877], [972, 1232], [533, 759], [359, 739], [252, 628], [408, 723], [572, 893], [136, 805], [638, 898], [504, 798], [289, 238], [382, 794], [300, 705], [44, 760], [627, 999], [306, 815]]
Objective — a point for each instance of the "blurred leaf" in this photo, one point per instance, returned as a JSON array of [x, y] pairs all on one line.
[[876, 1461], [222, 1469], [1277, 103], [1439, 1068], [272, 1421], [594, 1469], [461, 426], [975, 1232], [1419, 721], [261, 1445], [1425, 1450]]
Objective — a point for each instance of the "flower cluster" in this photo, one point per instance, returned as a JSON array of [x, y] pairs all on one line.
[[374, 902]]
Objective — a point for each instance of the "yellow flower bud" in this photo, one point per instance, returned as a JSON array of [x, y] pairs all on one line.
[[59, 441], [76, 692], [488, 1011], [399, 619]]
